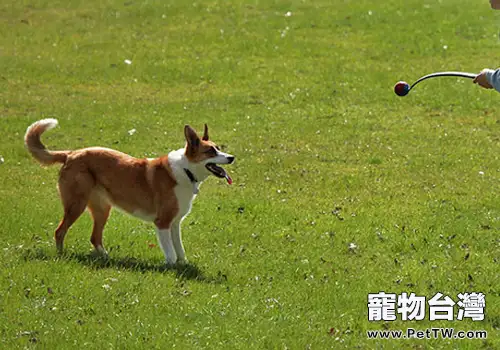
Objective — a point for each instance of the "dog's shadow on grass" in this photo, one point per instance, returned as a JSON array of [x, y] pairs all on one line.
[[189, 271]]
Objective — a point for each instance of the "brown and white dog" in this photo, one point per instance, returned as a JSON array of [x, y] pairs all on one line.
[[159, 190]]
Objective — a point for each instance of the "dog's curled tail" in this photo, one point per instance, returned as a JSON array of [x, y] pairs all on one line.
[[35, 146]]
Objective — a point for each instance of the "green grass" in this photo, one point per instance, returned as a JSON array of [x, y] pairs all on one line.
[[327, 155]]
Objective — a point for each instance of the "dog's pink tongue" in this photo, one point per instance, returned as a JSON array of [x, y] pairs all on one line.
[[229, 180]]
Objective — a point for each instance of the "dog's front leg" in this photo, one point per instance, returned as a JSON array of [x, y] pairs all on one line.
[[165, 239], [167, 209], [177, 241]]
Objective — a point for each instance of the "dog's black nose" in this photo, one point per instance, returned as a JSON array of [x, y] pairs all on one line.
[[230, 159]]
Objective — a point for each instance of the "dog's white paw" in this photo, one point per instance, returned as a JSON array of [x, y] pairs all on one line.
[[170, 262], [183, 261], [100, 251]]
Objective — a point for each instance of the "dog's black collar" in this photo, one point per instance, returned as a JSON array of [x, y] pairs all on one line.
[[190, 175]]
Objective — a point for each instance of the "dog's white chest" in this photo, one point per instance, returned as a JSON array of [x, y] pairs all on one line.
[[185, 197]]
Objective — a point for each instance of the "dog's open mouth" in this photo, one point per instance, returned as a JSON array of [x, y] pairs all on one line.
[[219, 172]]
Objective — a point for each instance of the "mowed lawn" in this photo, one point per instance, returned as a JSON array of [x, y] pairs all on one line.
[[341, 188]]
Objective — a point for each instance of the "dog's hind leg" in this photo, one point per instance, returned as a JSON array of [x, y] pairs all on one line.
[[72, 212], [75, 190], [100, 209]]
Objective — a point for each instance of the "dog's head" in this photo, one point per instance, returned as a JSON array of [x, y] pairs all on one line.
[[204, 156]]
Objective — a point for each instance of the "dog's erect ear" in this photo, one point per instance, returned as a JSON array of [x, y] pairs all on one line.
[[205, 133], [192, 138]]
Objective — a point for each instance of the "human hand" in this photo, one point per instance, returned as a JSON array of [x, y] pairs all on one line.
[[481, 80]]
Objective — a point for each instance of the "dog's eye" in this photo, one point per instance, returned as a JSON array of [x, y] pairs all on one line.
[[211, 151]]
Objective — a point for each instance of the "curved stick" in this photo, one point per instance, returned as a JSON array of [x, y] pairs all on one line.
[[444, 74]]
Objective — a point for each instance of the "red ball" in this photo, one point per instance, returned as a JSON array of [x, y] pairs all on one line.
[[402, 88]]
